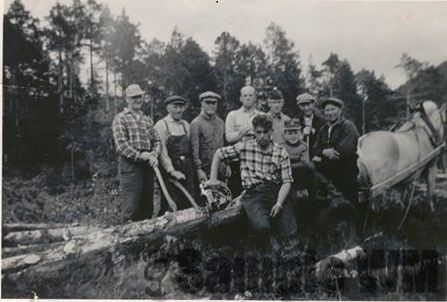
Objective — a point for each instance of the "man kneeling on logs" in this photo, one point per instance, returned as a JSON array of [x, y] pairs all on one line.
[[266, 178]]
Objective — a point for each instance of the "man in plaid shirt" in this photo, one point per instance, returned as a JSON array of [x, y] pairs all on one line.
[[266, 178], [138, 147]]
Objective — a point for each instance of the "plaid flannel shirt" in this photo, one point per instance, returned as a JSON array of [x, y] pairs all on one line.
[[258, 166], [134, 133]]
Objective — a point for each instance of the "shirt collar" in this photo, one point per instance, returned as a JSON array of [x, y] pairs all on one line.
[[170, 119], [338, 122], [127, 111], [279, 116], [206, 117], [252, 110]]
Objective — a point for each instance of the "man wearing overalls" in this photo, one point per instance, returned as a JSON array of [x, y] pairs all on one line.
[[176, 155]]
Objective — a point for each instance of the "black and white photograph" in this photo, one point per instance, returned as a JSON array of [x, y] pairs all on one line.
[[224, 150]]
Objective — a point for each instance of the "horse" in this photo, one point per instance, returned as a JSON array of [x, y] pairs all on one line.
[[383, 154]]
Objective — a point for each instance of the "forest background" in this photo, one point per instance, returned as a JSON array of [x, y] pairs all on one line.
[[58, 154]]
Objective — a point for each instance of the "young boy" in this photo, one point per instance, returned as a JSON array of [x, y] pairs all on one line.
[[302, 168]]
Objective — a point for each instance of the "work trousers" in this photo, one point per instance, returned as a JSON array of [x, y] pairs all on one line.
[[258, 202], [137, 188]]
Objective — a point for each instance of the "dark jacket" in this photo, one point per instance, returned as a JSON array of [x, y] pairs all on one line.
[[317, 122], [343, 171]]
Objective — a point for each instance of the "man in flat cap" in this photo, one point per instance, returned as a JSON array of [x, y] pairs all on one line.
[[310, 119], [276, 103], [174, 132], [336, 149], [207, 134], [138, 147]]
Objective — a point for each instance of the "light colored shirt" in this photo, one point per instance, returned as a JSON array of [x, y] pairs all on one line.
[[257, 165], [207, 135], [175, 128], [238, 121], [278, 127]]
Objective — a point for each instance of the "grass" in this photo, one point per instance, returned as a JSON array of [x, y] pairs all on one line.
[[200, 267]]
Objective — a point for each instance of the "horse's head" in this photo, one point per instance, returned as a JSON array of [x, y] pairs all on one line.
[[428, 113]]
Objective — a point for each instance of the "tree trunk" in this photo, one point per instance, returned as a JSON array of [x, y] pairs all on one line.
[[92, 78], [17, 227], [107, 86], [60, 84], [84, 249], [45, 235]]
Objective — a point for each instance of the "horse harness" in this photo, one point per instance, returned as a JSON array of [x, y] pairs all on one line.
[[433, 134]]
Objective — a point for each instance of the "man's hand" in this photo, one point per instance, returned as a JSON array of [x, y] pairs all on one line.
[[275, 210], [245, 132], [201, 175], [227, 171], [177, 175], [331, 153], [307, 130], [149, 157], [316, 159], [212, 182]]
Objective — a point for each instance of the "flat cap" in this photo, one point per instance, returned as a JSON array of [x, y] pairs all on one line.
[[276, 94], [209, 95], [175, 99], [134, 90], [292, 124], [305, 98], [333, 101]]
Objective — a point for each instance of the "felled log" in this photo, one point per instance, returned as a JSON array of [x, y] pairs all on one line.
[[28, 249], [17, 227], [46, 235], [98, 244]]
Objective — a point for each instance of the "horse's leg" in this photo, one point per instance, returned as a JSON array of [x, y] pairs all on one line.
[[431, 182]]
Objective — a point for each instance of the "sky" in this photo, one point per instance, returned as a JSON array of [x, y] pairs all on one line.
[[370, 35]]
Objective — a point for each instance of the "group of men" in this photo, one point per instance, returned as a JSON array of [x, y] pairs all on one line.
[[269, 155]]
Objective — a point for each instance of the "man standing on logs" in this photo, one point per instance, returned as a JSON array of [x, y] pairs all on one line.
[[266, 178], [176, 154], [310, 121], [238, 127], [138, 147], [336, 150], [207, 134]]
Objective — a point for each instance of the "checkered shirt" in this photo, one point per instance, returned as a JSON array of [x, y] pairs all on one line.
[[258, 166], [134, 133]]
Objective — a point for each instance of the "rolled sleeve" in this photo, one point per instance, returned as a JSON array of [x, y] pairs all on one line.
[[195, 143], [286, 170], [165, 160], [231, 134], [230, 153]]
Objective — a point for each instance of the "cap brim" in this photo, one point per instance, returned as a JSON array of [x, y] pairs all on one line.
[[305, 101]]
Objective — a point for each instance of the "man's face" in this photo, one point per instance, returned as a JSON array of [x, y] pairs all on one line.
[[135, 102], [306, 108], [293, 136], [276, 106], [263, 136], [248, 97], [209, 106], [332, 112], [176, 110]]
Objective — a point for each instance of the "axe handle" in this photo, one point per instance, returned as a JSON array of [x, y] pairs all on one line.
[[185, 192], [171, 202], [308, 146]]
